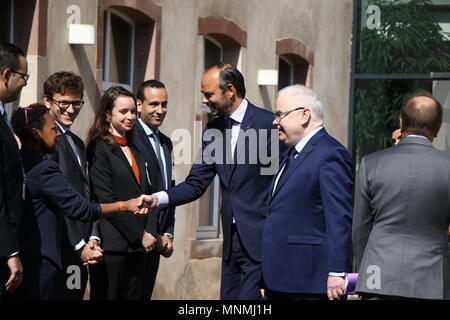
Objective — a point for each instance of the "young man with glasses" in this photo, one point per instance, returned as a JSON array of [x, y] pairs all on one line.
[[63, 95], [13, 77]]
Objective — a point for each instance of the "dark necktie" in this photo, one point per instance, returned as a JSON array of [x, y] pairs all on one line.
[[75, 149], [159, 157], [291, 156], [5, 117], [228, 137]]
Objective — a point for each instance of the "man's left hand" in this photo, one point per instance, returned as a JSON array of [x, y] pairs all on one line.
[[335, 287]]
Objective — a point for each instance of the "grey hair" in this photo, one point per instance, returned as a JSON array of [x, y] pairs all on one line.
[[305, 97]]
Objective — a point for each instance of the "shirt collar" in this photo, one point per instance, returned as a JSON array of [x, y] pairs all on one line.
[[2, 110], [148, 131], [417, 136], [302, 143], [238, 114], [64, 129]]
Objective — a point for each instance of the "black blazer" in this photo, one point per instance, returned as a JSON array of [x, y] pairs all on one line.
[[49, 197], [112, 180], [163, 220], [78, 178], [11, 182]]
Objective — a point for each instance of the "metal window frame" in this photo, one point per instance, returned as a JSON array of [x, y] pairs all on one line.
[[354, 76]]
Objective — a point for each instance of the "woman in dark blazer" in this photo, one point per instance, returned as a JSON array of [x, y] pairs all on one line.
[[117, 172], [48, 197]]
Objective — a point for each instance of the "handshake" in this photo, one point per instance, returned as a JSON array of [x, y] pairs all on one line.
[[91, 253], [142, 205]]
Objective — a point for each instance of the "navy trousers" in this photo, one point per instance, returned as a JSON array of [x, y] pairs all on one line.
[[240, 274]]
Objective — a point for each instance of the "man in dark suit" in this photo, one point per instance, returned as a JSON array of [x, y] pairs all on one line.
[[232, 145], [13, 77], [306, 240], [402, 212], [157, 150], [63, 95]]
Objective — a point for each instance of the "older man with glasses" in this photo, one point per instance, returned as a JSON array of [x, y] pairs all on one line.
[[307, 235]]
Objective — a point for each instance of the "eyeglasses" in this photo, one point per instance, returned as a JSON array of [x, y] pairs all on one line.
[[24, 76], [64, 105], [280, 115]]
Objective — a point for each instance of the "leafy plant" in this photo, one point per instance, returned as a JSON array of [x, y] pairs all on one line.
[[409, 41]]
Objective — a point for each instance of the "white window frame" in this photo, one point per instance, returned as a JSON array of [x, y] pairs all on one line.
[[107, 34]]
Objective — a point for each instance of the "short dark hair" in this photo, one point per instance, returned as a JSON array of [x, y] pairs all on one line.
[[23, 120], [9, 56], [230, 75], [421, 119], [148, 84], [61, 82]]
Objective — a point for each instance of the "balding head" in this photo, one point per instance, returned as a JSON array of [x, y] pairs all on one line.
[[421, 115], [228, 75]]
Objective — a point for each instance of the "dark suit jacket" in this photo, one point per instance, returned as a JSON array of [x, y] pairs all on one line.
[[49, 197], [159, 221], [308, 231], [78, 178], [244, 188], [11, 182], [112, 180]]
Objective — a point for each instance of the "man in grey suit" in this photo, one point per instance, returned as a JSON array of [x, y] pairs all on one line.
[[402, 212]]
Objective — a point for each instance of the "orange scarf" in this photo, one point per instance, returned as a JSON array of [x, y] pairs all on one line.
[[123, 142]]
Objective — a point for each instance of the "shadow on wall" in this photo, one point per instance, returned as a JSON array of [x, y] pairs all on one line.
[[265, 95], [87, 74]]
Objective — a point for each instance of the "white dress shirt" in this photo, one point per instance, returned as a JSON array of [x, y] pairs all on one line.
[[299, 147]]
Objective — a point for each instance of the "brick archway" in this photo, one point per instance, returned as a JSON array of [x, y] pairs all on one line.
[[301, 56], [223, 30]]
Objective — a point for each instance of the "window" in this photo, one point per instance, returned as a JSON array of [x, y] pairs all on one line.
[[285, 73], [295, 60], [118, 54], [6, 34], [6, 20], [408, 51], [213, 53]]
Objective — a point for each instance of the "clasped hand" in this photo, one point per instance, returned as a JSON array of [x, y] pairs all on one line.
[[143, 204]]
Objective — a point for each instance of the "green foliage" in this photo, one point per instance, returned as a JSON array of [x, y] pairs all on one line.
[[410, 41]]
